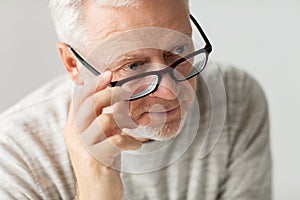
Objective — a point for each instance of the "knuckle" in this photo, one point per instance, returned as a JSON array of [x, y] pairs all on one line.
[[106, 123], [106, 170], [137, 145], [101, 99], [88, 160], [118, 140], [104, 119]]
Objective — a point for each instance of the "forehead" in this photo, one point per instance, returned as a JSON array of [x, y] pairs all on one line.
[[103, 22], [137, 43]]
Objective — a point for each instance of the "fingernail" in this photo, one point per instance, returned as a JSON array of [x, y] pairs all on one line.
[[106, 75]]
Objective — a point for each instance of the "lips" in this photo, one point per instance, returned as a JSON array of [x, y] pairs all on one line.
[[169, 113], [157, 108], [158, 111]]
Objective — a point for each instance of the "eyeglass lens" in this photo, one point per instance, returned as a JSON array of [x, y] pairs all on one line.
[[144, 85]]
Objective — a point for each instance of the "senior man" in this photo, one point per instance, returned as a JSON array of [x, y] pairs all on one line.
[[148, 118]]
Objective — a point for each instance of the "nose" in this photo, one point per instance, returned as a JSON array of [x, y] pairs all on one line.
[[167, 88]]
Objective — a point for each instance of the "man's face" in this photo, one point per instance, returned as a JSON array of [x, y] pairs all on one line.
[[173, 98]]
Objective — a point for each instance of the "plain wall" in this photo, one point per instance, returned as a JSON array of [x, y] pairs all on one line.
[[261, 37]]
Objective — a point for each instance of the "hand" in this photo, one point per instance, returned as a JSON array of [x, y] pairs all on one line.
[[96, 180]]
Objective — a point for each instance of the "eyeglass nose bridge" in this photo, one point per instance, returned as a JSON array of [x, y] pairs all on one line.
[[167, 70], [160, 74]]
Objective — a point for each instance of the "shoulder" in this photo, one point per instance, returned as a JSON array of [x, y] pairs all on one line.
[[247, 112], [50, 91], [31, 143], [38, 117], [241, 90], [238, 82], [46, 103], [244, 94], [234, 95], [231, 87]]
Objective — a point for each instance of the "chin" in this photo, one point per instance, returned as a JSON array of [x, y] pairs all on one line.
[[166, 132]]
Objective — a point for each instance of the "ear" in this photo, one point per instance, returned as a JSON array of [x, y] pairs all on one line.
[[69, 62]]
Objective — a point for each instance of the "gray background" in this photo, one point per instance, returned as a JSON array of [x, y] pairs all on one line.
[[259, 36]]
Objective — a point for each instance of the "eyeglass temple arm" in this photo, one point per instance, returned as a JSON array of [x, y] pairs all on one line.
[[208, 46], [84, 63]]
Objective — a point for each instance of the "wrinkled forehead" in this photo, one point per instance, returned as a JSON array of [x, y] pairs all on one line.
[[134, 43]]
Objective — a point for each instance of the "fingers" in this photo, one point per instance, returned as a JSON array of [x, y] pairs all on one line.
[[114, 95], [109, 149], [92, 87], [104, 126], [87, 112], [71, 136], [124, 142], [94, 177], [94, 105], [99, 132]]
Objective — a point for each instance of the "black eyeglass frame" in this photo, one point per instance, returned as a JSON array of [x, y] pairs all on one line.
[[207, 50]]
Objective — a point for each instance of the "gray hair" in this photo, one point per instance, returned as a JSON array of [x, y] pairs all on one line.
[[66, 15]]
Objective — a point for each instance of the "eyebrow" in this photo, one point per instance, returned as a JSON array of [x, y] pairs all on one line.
[[133, 56], [123, 58]]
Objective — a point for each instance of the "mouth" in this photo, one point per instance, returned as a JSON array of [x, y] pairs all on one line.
[[164, 113]]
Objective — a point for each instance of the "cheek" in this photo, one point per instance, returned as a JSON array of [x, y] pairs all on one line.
[[189, 88], [193, 83]]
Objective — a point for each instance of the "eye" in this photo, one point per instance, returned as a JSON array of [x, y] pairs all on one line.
[[178, 50], [133, 66]]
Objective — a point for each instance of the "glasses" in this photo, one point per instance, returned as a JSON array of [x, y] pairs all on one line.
[[182, 68]]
